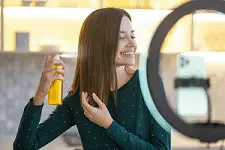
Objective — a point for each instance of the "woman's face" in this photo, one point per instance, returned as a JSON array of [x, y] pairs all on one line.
[[126, 44]]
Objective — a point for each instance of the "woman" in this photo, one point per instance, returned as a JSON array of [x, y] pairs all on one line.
[[105, 100]]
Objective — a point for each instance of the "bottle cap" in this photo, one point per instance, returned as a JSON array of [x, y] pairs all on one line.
[[56, 57]]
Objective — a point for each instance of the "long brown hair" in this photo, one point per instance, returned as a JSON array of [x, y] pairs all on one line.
[[95, 70]]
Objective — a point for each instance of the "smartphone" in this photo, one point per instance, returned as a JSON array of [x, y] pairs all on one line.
[[191, 101]]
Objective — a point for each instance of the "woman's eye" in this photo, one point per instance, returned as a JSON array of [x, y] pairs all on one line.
[[121, 38]]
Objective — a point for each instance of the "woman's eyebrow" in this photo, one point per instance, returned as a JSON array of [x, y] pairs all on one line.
[[125, 32]]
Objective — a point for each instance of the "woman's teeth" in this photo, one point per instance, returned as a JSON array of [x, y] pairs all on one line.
[[127, 53]]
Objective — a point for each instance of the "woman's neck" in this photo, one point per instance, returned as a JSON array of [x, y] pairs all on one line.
[[123, 75], [120, 71]]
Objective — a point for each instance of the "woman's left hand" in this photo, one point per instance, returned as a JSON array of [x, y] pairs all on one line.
[[100, 115]]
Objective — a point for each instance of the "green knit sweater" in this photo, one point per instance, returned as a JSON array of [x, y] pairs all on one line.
[[133, 128]]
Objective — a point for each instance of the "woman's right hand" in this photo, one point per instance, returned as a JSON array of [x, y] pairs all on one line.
[[47, 77]]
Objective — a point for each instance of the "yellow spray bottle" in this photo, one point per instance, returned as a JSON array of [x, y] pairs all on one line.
[[55, 93]]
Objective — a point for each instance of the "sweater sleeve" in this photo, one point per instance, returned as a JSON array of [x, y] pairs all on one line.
[[32, 136], [160, 139]]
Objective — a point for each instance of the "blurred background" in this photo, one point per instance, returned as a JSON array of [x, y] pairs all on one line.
[[32, 28]]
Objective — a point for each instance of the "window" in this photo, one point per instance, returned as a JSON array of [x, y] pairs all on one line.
[[22, 41]]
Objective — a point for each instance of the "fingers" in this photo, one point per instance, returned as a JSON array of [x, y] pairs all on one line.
[[50, 62], [59, 71], [89, 116], [57, 77], [98, 101], [49, 58], [49, 73], [83, 97], [55, 74], [88, 109], [50, 65], [55, 71], [84, 101]]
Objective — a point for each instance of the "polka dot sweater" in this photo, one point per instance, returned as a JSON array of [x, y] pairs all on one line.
[[133, 127]]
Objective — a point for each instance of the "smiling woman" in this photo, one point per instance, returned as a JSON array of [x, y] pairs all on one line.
[[105, 101]]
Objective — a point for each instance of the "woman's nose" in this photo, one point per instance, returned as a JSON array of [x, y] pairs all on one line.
[[130, 44]]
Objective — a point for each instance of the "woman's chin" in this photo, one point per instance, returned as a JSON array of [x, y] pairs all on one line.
[[129, 63], [126, 62]]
